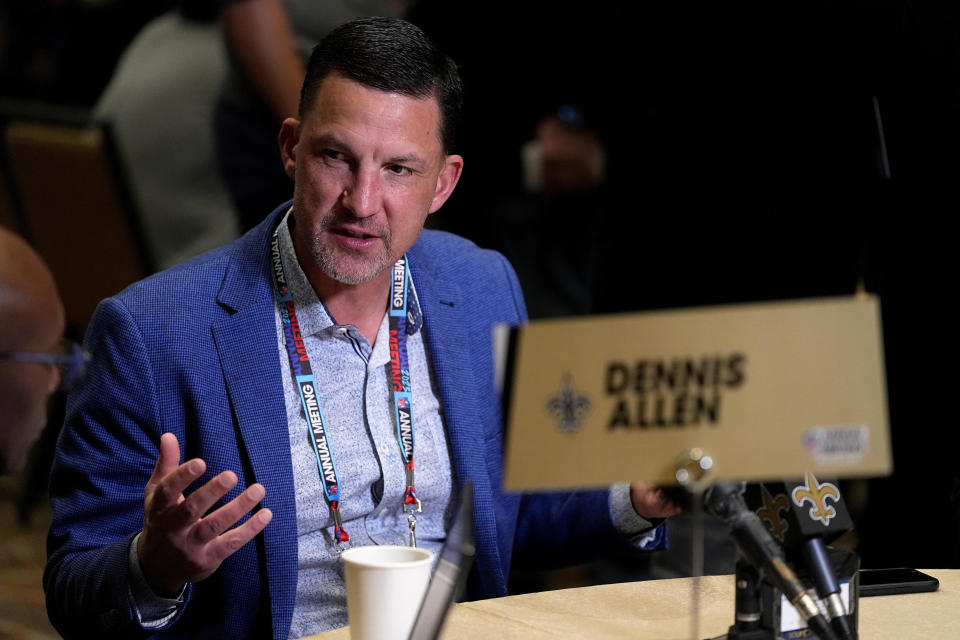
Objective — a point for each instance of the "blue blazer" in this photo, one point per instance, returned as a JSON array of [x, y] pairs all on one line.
[[193, 351]]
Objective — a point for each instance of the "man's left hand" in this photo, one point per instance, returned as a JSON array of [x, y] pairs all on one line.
[[650, 502]]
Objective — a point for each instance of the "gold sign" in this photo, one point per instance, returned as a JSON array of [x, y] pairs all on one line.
[[768, 390]]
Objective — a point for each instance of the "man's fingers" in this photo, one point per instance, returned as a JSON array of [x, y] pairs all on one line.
[[168, 459], [661, 504], [199, 502], [170, 488], [226, 544], [226, 516], [651, 502], [667, 507]]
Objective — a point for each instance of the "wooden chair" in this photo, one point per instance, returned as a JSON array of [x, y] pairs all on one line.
[[77, 210]]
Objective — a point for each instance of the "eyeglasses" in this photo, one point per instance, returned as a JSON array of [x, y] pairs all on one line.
[[72, 361]]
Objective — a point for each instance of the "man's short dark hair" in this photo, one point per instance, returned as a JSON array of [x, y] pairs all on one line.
[[390, 55]]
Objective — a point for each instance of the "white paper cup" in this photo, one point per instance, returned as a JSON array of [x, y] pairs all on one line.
[[385, 586]]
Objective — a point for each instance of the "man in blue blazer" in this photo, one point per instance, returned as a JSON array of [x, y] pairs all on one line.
[[199, 358]]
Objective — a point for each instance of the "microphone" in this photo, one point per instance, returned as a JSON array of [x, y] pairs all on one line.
[[757, 546], [806, 515], [819, 567]]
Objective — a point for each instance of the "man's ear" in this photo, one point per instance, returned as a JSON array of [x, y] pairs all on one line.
[[288, 138], [446, 181]]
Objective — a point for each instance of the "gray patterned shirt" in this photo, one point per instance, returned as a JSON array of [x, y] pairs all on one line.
[[355, 396]]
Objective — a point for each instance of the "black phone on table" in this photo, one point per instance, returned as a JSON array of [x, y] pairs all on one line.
[[882, 582]]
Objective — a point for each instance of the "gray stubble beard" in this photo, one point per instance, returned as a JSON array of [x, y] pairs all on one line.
[[327, 263]]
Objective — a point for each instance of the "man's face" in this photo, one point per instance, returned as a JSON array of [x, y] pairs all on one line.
[[368, 168]]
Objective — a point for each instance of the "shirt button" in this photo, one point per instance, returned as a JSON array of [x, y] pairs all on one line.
[[384, 448], [341, 330]]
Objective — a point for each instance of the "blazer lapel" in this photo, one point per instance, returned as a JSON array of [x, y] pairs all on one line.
[[247, 347], [446, 324]]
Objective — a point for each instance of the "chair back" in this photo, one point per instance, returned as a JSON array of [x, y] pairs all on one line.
[[76, 210]]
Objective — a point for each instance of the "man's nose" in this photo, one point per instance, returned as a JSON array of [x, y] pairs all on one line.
[[364, 195]]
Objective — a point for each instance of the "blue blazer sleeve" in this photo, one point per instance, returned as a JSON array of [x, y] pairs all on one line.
[[113, 416], [191, 351]]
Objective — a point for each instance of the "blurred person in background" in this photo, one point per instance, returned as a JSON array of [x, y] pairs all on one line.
[[268, 43], [159, 103], [33, 360]]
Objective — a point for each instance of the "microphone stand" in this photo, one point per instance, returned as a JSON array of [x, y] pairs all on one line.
[[762, 560], [758, 548], [749, 609]]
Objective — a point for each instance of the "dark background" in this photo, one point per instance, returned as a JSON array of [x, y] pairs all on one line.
[[744, 164]]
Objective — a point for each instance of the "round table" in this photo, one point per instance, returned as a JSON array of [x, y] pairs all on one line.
[[663, 610]]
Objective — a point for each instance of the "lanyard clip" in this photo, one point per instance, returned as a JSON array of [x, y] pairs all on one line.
[[412, 521], [411, 503], [341, 539], [411, 507]]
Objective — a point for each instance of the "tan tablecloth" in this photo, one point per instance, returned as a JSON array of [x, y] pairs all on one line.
[[663, 610]]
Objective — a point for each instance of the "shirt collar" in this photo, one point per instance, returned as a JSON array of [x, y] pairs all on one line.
[[311, 312]]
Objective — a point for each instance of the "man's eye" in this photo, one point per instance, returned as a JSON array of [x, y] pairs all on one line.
[[332, 154], [399, 170]]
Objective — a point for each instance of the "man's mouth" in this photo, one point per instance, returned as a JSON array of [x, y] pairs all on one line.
[[352, 234]]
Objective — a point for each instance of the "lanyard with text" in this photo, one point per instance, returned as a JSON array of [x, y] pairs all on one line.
[[305, 383], [402, 391]]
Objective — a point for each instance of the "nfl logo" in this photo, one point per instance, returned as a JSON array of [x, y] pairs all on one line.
[[402, 402]]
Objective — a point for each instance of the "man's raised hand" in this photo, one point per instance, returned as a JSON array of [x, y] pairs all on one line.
[[180, 544]]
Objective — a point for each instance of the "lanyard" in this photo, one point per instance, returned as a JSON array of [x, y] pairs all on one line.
[[310, 409], [402, 390]]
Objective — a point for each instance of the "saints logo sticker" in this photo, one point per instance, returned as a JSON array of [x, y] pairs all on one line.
[[770, 512], [569, 406], [817, 495]]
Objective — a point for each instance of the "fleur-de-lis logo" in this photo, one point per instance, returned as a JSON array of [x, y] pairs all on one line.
[[817, 494], [568, 406], [771, 510]]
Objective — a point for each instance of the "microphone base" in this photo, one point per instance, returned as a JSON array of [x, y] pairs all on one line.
[[752, 634], [780, 617]]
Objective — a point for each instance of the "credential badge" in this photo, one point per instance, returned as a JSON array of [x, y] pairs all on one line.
[[568, 406]]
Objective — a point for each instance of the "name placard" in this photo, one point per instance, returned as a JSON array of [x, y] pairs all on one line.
[[768, 390]]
